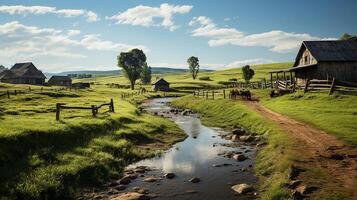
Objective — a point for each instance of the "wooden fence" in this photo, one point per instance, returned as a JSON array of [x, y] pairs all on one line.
[[132, 94], [93, 108], [9, 93], [231, 94], [330, 86]]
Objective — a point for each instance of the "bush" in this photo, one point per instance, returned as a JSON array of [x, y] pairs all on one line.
[[233, 79], [205, 78], [226, 82]]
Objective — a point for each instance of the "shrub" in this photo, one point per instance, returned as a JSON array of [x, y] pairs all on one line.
[[205, 78], [233, 79]]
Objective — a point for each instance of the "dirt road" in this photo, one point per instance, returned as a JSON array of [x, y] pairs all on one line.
[[318, 149]]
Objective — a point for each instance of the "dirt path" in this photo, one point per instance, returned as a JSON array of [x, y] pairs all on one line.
[[318, 149]]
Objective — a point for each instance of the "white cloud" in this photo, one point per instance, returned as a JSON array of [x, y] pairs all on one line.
[[276, 40], [240, 63], [151, 16], [40, 10], [23, 42]]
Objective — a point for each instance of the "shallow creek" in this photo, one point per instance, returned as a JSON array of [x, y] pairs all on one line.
[[199, 155]]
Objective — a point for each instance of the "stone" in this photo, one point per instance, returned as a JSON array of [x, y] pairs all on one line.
[[131, 196], [239, 157], [151, 179], [169, 175], [195, 180], [217, 165], [120, 187], [141, 171], [235, 138], [246, 138], [238, 131], [125, 180], [297, 195], [112, 191], [242, 188], [140, 190]]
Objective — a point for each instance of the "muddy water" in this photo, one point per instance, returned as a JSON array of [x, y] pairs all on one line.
[[195, 157]]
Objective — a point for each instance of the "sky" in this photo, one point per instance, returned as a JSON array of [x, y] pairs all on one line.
[[67, 35]]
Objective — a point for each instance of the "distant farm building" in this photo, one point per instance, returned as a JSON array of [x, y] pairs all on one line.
[[60, 81], [23, 73], [161, 85]]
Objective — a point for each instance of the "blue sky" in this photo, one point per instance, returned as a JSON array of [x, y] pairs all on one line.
[[88, 35]]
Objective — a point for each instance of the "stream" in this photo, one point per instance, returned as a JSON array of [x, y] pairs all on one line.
[[199, 155]]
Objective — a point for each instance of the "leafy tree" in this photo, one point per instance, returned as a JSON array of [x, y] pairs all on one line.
[[347, 36], [132, 63], [193, 64], [248, 73], [146, 74]]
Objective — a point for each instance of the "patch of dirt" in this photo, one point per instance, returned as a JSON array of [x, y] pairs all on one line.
[[319, 149]]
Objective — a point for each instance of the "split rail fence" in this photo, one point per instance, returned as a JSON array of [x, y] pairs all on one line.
[[330, 86], [93, 108], [9, 93]]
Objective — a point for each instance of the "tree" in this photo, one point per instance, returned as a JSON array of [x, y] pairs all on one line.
[[146, 74], [248, 73], [347, 36], [193, 64], [132, 63]]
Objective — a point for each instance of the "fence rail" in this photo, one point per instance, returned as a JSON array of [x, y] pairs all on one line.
[[9, 93], [61, 106], [330, 86]]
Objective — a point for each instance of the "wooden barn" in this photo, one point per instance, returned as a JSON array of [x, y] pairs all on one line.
[[60, 81], [161, 85], [23, 73], [326, 60]]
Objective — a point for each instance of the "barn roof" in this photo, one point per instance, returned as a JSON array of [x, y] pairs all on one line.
[[161, 81], [60, 78], [20, 70], [330, 50]]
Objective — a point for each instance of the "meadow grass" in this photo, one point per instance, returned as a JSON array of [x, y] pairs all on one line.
[[41, 158], [336, 114], [272, 166]]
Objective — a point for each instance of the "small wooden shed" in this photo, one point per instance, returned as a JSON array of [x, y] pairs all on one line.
[[161, 85], [60, 81]]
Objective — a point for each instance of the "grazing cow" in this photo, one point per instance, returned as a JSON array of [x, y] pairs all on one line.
[[243, 93]]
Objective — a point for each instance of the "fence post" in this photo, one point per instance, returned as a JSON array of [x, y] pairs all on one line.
[[15, 92], [94, 112], [207, 94], [30, 88], [306, 85], [332, 86], [58, 111], [8, 94], [111, 105], [224, 94], [212, 94]]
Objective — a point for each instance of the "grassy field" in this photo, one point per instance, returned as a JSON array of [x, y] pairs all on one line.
[[185, 83], [335, 114], [41, 158], [271, 166]]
